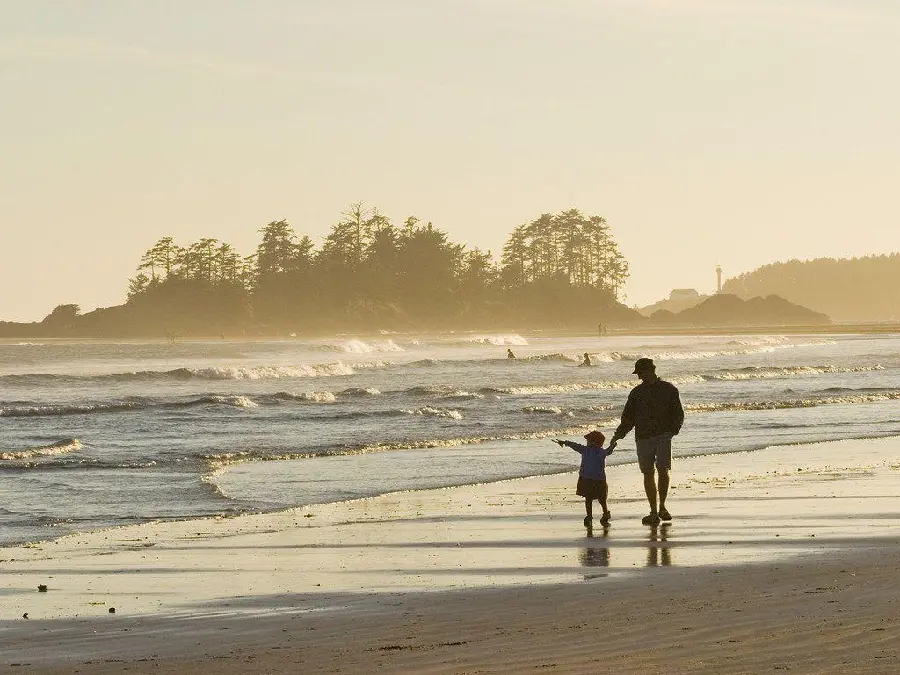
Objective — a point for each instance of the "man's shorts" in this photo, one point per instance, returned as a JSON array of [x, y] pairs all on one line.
[[654, 450]]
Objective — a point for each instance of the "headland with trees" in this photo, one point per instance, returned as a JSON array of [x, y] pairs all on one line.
[[561, 270]]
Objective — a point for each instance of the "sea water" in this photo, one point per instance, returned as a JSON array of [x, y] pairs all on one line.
[[97, 434]]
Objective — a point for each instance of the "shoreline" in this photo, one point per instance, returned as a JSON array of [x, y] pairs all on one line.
[[418, 568], [399, 493], [826, 329]]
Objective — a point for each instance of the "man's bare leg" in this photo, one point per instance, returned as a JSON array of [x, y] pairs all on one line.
[[663, 491], [663, 487], [650, 489]]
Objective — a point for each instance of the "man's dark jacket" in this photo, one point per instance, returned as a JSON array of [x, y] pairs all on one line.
[[652, 409]]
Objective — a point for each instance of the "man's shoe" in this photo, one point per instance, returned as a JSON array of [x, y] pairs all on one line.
[[664, 514], [652, 519]]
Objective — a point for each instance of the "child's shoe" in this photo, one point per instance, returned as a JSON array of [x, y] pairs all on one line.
[[605, 518], [587, 521]]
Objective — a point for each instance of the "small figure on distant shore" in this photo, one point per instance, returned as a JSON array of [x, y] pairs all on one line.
[[587, 360], [655, 413], [592, 474], [509, 354]]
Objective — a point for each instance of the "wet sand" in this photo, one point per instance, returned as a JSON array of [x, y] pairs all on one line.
[[783, 558]]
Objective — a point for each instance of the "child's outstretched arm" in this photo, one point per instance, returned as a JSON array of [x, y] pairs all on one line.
[[569, 444]]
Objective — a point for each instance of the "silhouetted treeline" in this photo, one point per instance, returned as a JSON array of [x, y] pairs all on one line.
[[561, 270], [848, 290]]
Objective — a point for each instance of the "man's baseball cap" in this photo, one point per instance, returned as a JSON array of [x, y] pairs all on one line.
[[643, 364]]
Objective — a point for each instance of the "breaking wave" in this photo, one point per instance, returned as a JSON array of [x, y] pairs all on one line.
[[219, 460], [337, 368], [493, 340], [310, 396], [778, 404], [530, 389], [431, 411], [771, 372], [58, 448], [744, 347], [543, 409], [461, 395], [236, 401], [60, 410], [360, 391], [359, 346], [548, 357]]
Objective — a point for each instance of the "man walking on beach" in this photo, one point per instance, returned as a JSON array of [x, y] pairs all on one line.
[[654, 411]]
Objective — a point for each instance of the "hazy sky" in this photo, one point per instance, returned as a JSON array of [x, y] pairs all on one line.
[[732, 132]]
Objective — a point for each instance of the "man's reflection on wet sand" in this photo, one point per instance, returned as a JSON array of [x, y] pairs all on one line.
[[659, 556], [595, 556]]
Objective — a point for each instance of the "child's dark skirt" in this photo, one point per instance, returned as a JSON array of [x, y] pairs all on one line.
[[590, 488]]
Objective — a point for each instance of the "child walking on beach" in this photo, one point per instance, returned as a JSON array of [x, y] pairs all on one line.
[[592, 474]]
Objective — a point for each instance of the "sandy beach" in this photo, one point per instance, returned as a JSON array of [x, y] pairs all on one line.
[[778, 559]]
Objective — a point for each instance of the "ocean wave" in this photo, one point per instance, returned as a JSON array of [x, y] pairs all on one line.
[[472, 440], [543, 409], [550, 357], [219, 461], [431, 411], [57, 448], [70, 463], [268, 372], [424, 411], [493, 340], [66, 409], [360, 391], [779, 404], [681, 356], [761, 340], [334, 369], [760, 346], [571, 412], [425, 390], [53, 410], [310, 396], [530, 389], [236, 401], [359, 346], [774, 372], [596, 357], [461, 395]]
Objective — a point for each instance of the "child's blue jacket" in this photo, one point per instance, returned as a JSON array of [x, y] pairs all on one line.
[[593, 460]]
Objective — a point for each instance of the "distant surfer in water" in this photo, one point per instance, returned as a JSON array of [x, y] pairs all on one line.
[[587, 360], [509, 354], [655, 413]]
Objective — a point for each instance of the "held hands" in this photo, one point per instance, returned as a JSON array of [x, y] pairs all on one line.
[[558, 442], [612, 445]]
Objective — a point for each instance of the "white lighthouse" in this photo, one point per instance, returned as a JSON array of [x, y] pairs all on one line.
[[718, 278]]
